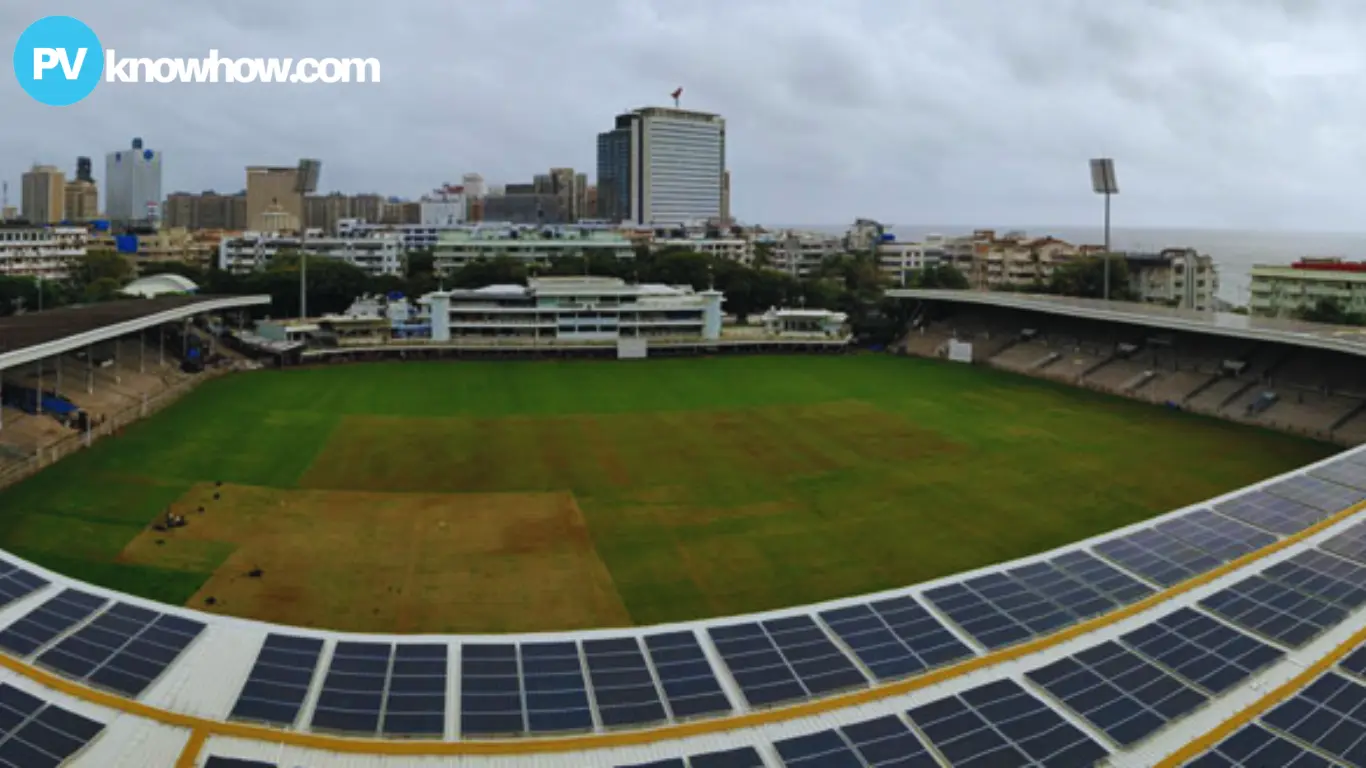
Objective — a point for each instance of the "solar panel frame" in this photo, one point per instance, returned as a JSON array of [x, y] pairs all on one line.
[[279, 680], [1270, 512], [1000, 723], [1225, 538], [1329, 715], [1156, 556], [491, 697], [415, 692], [1255, 745], [353, 690], [556, 687], [1274, 610], [625, 691], [38, 733], [1201, 651], [54, 617], [896, 637], [1323, 575], [1119, 692], [686, 676]]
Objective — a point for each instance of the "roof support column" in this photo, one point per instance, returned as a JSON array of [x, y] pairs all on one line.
[[118, 342], [39, 400], [142, 351], [90, 369], [161, 346], [2, 399]]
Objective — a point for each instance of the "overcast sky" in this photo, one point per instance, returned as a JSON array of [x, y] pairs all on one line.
[[1220, 113]]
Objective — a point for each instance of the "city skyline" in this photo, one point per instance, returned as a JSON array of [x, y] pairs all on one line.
[[906, 111]]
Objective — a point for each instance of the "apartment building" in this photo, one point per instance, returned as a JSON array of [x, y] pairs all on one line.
[[575, 309], [379, 254], [798, 253], [899, 261], [738, 249], [207, 210], [37, 251], [532, 245], [1284, 291], [82, 201], [1176, 277], [166, 244], [271, 187], [44, 195]]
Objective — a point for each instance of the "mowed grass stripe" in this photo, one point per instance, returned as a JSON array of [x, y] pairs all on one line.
[[707, 486]]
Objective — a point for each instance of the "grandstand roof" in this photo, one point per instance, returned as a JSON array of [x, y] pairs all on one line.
[[36, 335], [1332, 337]]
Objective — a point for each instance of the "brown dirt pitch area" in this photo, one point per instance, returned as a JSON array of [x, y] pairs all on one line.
[[390, 562]]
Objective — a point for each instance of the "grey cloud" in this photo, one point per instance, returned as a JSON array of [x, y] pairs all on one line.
[[1242, 113]]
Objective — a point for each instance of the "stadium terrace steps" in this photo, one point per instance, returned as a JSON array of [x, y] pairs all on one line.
[[1023, 357]]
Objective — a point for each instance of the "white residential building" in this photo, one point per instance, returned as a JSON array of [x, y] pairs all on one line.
[[455, 248], [378, 254], [1177, 277], [737, 249], [444, 207], [572, 309], [46, 252], [800, 253], [900, 260]]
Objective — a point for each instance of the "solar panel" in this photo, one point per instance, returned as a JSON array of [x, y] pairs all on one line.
[[233, 762], [1274, 610], [1091, 570], [556, 693], [1329, 715], [743, 757], [1349, 471], [1319, 494], [353, 690], [685, 674], [39, 626], [279, 680], [490, 690], [998, 610], [1317, 573], [1200, 650], [415, 697], [124, 649], [1351, 543], [623, 688], [1001, 724], [676, 762], [887, 741], [1118, 691], [1355, 662], [34, 733], [825, 749], [1048, 581], [1270, 513], [896, 637], [1224, 537], [764, 676], [15, 582], [1157, 556], [1255, 745], [821, 666]]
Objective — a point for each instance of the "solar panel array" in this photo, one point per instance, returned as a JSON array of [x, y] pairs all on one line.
[[1329, 715], [689, 682], [1091, 570], [15, 582], [1254, 746], [1349, 471], [279, 680], [743, 757], [623, 687], [556, 692], [1322, 495], [895, 637], [415, 698], [883, 741], [1355, 662], [1350, 544], [786, 659], [41, 625], [1001, 724], [1270, 512], [124, 649], [36, 734], [998, 610], [1157, 556], [1118, 691], [1200, 650], [1274, 610], [1223, 537], [1317, 573]]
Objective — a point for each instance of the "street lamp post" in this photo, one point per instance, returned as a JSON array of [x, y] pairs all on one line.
[[305, 183], [1103, 183]]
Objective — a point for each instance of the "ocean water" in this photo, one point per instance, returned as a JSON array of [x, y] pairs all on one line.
[[1234, 251]]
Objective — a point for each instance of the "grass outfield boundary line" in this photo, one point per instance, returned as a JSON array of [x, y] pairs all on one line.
[[1206, 741], [667, 733]]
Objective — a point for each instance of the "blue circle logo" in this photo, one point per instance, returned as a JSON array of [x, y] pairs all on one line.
[[58, 60]]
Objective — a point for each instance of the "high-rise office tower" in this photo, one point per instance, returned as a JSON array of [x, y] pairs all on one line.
[[132, 185], [662, 166], [270, 189], [44, 195]]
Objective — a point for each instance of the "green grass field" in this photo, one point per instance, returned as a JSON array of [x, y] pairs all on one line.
[[509, 496]]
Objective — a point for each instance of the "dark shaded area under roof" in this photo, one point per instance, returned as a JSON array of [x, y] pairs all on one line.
[[34, 328]]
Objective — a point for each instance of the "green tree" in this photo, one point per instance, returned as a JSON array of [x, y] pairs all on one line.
[[1085, 277], [100, 265], [1332, 312]]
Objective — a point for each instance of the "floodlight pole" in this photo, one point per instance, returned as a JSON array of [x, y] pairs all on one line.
[[303, 257], [1107, 246]]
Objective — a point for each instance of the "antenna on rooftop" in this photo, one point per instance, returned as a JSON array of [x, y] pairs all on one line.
[[676, 94]]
